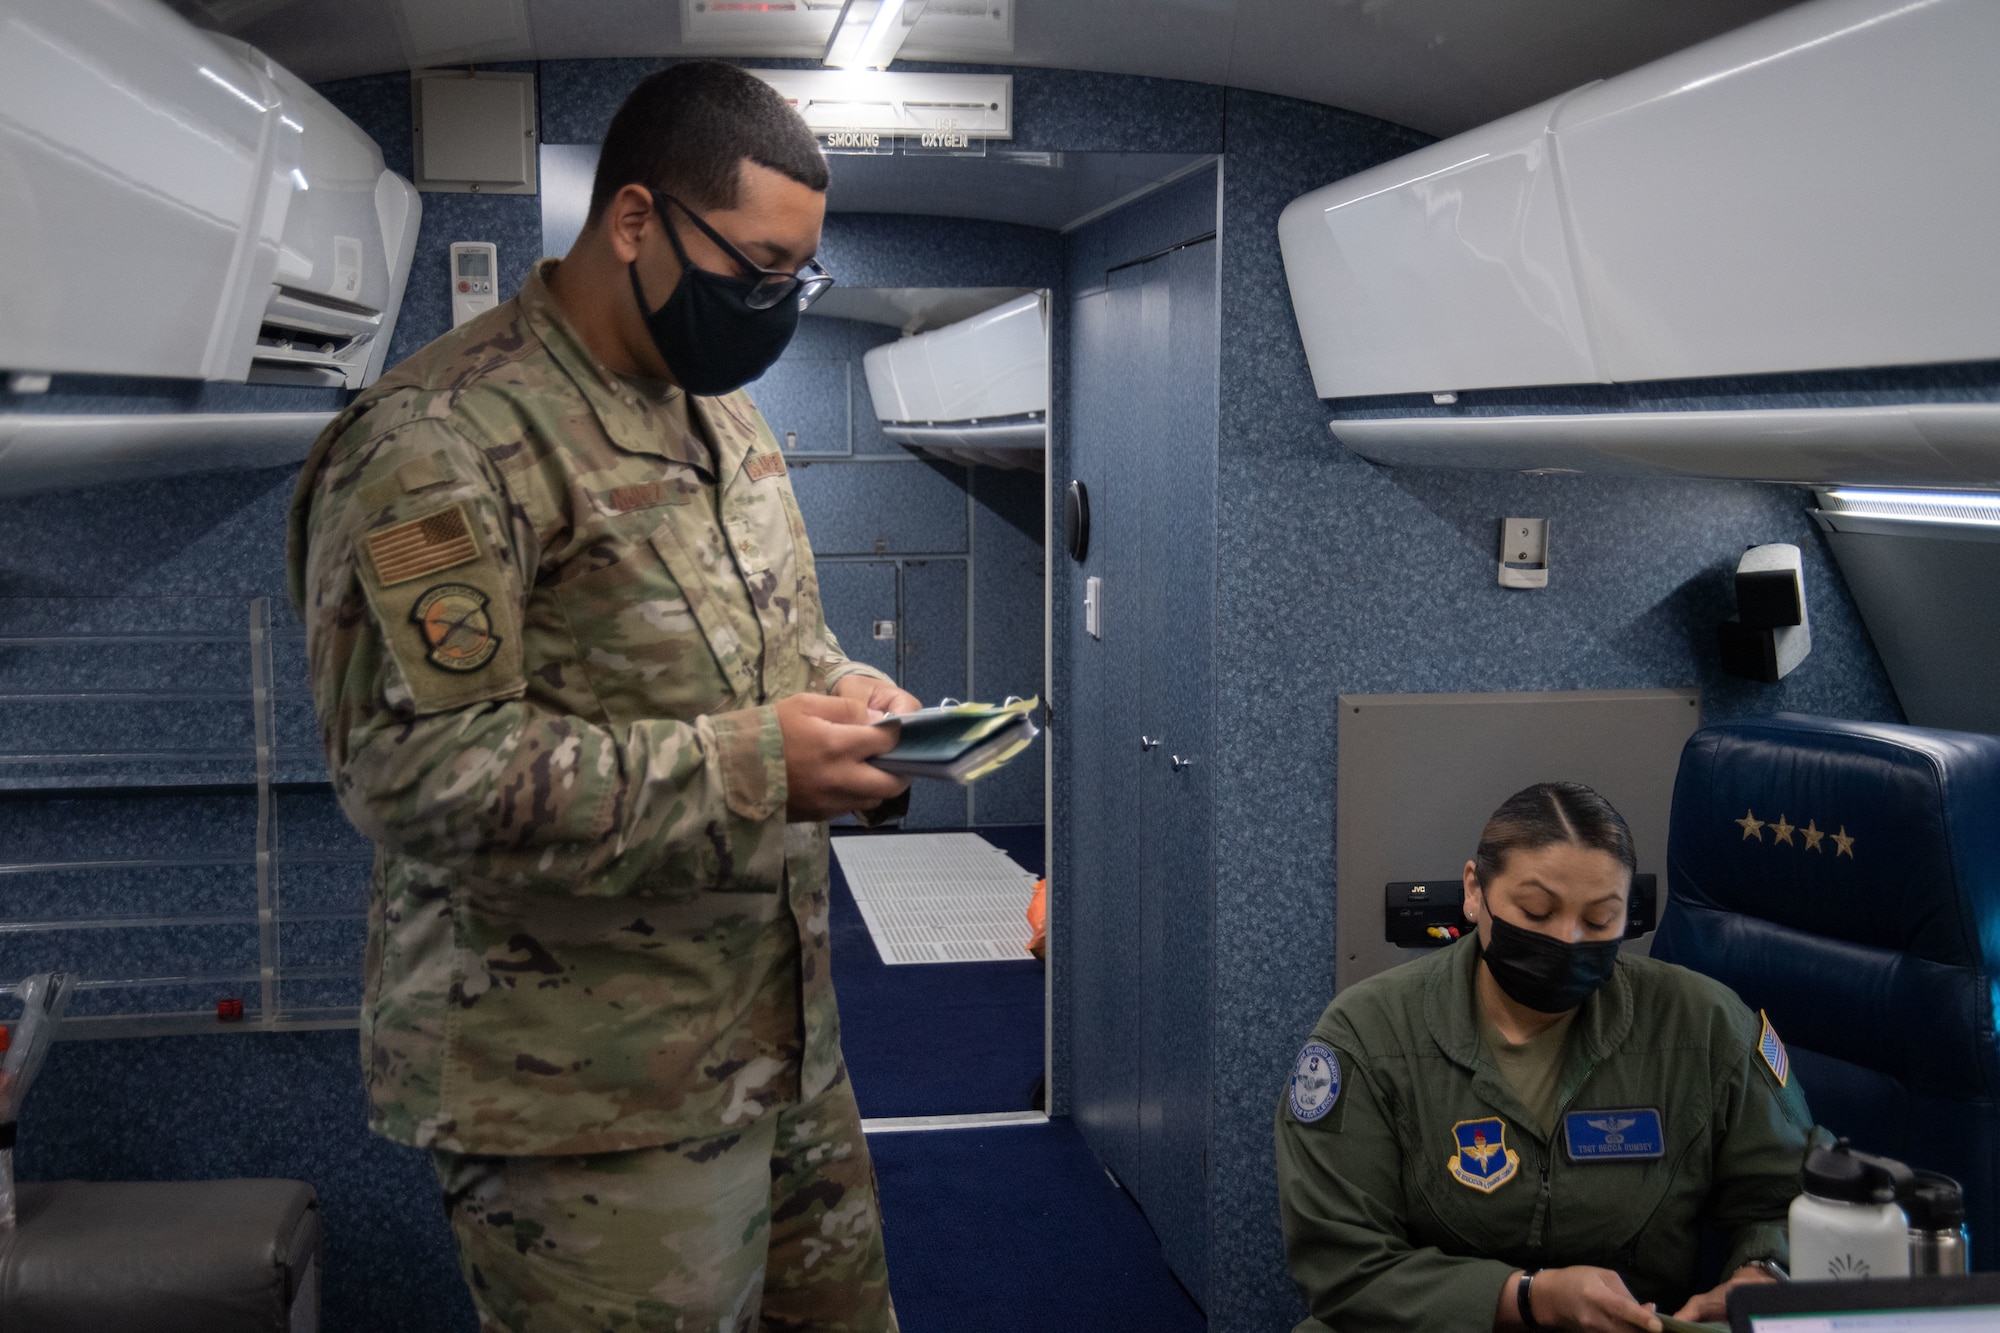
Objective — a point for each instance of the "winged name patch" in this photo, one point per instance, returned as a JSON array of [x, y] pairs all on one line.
[[1620, 1134], [441, 540]]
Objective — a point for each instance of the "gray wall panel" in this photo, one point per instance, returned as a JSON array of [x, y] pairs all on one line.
[[934, 663], [853, 595], [882, 508]]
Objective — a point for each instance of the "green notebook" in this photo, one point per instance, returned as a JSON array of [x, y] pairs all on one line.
[[959, 742]]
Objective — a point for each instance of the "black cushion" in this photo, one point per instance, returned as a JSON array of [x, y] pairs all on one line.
[[197, 1256]]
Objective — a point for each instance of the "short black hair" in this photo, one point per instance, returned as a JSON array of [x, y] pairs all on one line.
[[1549, 813], [687, 129]]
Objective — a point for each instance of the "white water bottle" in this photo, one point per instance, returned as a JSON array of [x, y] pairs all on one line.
[[1847, 1225]]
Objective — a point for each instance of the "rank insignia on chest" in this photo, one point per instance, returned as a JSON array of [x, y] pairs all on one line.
[[1773, 1050], [1315, 1082], [1483, 1161], [1628, 1134]]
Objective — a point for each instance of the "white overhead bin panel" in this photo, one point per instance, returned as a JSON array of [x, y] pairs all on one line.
[[1819, 189], [172, 203], [1446, 269], [1815, 190], [974, 392]]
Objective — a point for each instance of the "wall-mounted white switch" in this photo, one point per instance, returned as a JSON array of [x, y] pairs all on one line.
[[1093, 607], [475, 272], [1524, 553], [885, 630]]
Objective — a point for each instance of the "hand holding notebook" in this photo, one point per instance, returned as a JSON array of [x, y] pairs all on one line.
[[959, 742]]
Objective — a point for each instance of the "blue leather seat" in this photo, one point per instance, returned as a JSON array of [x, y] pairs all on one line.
[[1844, 877]]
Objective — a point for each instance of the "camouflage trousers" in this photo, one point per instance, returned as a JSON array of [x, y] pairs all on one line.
[[771, 1227]]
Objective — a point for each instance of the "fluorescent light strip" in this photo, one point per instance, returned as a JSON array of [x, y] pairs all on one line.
[[872, 47], [1958, 508]]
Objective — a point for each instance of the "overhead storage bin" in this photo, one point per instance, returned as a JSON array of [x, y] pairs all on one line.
[[173, 203], [1813, 191], [973, 392]]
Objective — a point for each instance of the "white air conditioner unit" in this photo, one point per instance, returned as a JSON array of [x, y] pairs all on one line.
[[1813, 191], [172, 203], [972, 392]]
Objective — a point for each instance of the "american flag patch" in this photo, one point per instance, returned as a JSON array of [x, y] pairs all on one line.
[[1773, 1050], [422, 546], [761, 466]]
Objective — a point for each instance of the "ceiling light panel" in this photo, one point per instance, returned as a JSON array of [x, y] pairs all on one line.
[[871, 32], [760, 27], [962, 30]]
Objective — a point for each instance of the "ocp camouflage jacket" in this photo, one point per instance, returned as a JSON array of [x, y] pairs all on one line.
[[546, 627]]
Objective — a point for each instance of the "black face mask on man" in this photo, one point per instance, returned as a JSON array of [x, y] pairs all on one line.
[[717, 333], [1547, 975]]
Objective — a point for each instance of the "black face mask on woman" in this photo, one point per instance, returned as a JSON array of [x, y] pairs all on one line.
[[1547, 975], [717, 333]]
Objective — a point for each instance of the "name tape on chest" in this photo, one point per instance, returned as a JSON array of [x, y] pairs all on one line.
[[765, 465], [1773, 1050], [645, 495], [1622, 1134], [1483, 1161], [1315, 1082]]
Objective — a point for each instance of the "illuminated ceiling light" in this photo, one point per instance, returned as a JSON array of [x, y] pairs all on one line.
[[870, 32], [1959, 508]]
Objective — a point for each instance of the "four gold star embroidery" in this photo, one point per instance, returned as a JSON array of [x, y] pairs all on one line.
[[1782, 830]]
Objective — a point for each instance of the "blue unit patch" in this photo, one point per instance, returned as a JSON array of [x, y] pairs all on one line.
[[1315, 1082], [1483, 1161], [1625, 1134]]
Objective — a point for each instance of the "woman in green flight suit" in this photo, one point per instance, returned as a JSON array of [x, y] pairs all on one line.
[[1525, 1129]]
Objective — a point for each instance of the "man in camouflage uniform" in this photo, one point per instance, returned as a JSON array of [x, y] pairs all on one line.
[[573, 679]]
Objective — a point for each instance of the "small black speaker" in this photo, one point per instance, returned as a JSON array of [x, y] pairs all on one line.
[[1768, 598]]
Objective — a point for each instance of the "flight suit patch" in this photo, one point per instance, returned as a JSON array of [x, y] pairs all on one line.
[[1315, 1082], [458, 632], [442, 539], [1624, 1134], [1773, 1050], [1483, 1161], [764, 465]]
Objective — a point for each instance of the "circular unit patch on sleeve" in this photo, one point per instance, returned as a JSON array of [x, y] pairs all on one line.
[[1315, 1082]]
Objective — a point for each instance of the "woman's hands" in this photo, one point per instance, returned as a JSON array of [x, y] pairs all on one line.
[[1591, 1300], [1714, 1305]]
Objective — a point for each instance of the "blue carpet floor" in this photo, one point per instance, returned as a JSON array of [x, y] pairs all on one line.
[[938, 1038], [1018, 1230]]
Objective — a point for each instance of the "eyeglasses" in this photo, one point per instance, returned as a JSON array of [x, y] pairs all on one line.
[[771, 286]]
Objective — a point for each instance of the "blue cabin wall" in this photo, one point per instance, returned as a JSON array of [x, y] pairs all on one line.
[[1330, 575]]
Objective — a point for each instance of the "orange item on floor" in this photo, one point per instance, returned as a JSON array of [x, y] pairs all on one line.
[[1038, 921]]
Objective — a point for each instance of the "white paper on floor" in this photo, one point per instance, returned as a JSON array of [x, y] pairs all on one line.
[[938, 897]]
